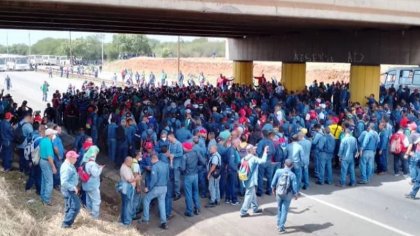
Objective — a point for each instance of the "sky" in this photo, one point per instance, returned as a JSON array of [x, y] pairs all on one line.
[[23, 36]]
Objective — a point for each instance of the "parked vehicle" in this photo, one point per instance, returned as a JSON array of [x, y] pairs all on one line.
[[64, 60], [35, 59], [405, 76], [3, 66], [21, 63]]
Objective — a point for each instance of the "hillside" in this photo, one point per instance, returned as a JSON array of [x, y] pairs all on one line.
[[212, 67]]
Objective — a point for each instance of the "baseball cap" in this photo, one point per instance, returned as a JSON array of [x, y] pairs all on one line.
[[8, 115], [49, 132], [187, 146]]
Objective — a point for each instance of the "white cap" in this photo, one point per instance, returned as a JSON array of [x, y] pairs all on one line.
[[49, 132]]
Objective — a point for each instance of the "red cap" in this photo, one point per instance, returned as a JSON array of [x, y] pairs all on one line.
[[404, 122], [148, 145], [202, 131], [8, 116], [187, 146], [242, 120]]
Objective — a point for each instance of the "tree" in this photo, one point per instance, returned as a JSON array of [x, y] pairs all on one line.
[[132, 43], [48, 46]]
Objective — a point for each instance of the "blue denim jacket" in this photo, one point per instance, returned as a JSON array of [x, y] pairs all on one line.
[[6, 133], [93, 169], [348, 148], [68, 177], [306, 145], [176, 149], [253, 162], [295, 153], [159, 175], [27, 131], [370, 141], [279, 173], [271, 148]]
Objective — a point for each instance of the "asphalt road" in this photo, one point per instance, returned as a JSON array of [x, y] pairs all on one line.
[[378, 208]]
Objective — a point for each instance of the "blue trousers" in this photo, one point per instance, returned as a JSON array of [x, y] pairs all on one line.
[[264, 170], [23, 163], [305, 176], [416, 185], [250, 200], [283, 205], [202, 181], [347, 168], [383, 161], [122, 153], [94, 134], [158, 192], [412, 165], [112, 148], [297, 170], [192, 198], [71, 207], [232, 179], [222, 183], [367, 165], [214, 189], [177, 175], [46, 181], [126, 210], [7, 154], [325, 168], [316, 162], [56, 177], [400, 163], [34, 178], [169, 194]]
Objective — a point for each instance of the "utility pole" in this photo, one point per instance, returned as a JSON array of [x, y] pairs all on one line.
[[7, 42], [30, 45], [71, 58], [102, 37], [179, 49]]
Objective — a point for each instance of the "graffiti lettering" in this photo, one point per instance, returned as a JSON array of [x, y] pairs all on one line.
[[312, 57]]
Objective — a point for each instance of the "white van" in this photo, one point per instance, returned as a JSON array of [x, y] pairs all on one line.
[[405, 76]]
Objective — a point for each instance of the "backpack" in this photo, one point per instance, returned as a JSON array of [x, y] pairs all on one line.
[[31, 151], [244, 172], [120, 133], [396, 146], [283, 185], [216, 173], [18, 136], [83, 175]]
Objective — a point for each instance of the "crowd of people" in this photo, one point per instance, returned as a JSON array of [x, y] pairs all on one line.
[[217, 142]]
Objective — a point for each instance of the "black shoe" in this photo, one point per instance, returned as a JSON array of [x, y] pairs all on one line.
[[170, 217], [319, 183], [196, 212], [259, 194], [64, 226], [268, 193], [409, 196], [245, 215], [188, 214], [164, 226], [210, 205], [304, 187], [362, 182], [137, 217], [258, 211], [177, 197]]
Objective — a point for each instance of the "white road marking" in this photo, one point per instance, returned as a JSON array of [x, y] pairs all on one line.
[[395, 230]]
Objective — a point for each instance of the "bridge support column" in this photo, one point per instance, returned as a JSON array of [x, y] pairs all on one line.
[[364, 81], [243, 72], [293, 76]]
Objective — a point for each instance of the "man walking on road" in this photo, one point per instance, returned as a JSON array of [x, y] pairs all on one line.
[[284, 187], [250, 184], [69, 181], [44, 89]]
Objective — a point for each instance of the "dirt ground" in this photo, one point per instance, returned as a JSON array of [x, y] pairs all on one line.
[[23, 213], [212, 67]]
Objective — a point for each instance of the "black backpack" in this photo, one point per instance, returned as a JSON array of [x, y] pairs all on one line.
[[120, 133], [18, 136]]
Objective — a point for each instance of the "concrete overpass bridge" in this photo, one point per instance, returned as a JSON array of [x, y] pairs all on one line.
[[365, 33]]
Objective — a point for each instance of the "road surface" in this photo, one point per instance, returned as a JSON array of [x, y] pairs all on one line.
[[375, 209]]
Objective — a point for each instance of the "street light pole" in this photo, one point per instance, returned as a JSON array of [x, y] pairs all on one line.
[[7, 41], [179, 49], [71, 58], [30, 45], [102, 61]]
